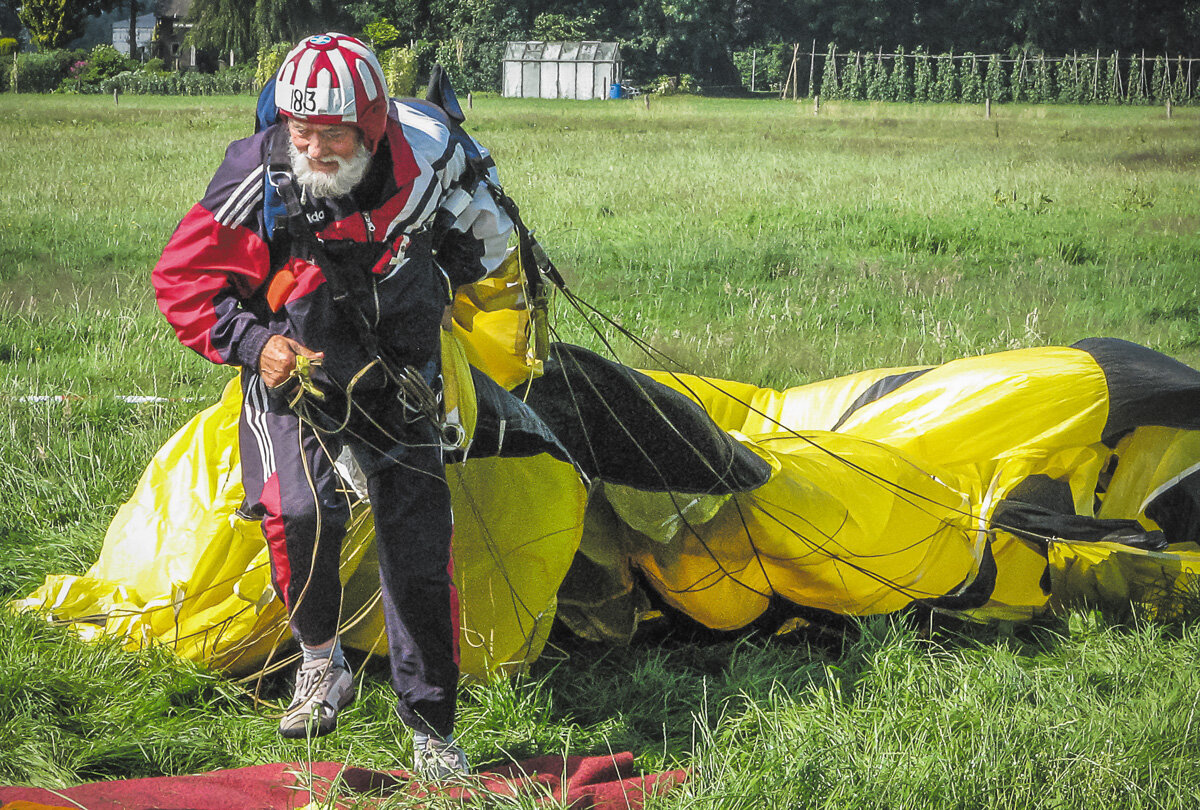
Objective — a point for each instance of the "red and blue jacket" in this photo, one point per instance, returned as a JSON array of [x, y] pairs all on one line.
[[421, 223]]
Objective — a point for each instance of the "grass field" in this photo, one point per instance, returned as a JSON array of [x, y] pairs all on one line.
[[750, 240]]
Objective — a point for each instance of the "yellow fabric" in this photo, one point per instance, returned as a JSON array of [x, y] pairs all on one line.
[[179, 567], [893, 507], [492, 323]]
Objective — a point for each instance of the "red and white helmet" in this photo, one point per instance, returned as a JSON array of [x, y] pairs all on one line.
[[334, 79]]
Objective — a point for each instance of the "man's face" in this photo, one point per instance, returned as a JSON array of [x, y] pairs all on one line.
[[324, 143]]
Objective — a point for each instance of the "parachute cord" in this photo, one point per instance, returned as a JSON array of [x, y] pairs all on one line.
[[917, 595], [662, 478], [843, 559], [892, 486], [493, 546]]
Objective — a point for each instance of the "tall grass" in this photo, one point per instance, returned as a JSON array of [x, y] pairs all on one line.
[[750, 240]]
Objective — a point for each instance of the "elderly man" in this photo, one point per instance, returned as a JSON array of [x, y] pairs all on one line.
[[321, 260]]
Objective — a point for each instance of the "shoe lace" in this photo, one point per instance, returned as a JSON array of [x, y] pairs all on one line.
[[442, 757], [314, 679]]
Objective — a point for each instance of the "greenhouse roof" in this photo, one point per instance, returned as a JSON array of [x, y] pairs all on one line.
[[561, 52]]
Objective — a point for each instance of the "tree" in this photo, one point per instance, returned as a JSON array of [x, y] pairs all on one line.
[[242, 27], [54, 23], [226, 26]]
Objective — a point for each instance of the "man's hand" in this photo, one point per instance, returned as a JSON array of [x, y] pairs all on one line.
[[278, 359]]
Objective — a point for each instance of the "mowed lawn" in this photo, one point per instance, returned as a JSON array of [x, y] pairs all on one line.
[[747, 239]]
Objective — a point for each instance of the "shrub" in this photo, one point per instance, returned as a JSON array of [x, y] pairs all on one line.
[[901, 79], [1137, 88], [970, 82], [1019, 84], [829, 78], [103, 62], [1043, 88], [683, 84], [270, 57], [191, 83], [42, 72], [400, 70], [1181, 92], [473, 65], [878, 87], [995, 86], [922, 77], [853, 83], [381, 33], [8, 46], [945, 85], [770, 65]]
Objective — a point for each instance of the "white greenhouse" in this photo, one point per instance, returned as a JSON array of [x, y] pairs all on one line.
[[580, 70]]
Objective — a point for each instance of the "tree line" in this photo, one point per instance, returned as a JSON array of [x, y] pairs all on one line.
[[697, 37]]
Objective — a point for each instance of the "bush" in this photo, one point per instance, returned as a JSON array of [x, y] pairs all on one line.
[[8, 46], [852, 84], [381, 33], [472, 65], [104, 62], [270, 57], [144, 82], [878, 86], [683, 84], [829, 77], [42, 72], [770, 65], [901, 80], [400, 70], [970, 81]]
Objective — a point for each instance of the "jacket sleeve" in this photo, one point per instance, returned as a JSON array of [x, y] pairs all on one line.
[[214, 262], [475, 242]]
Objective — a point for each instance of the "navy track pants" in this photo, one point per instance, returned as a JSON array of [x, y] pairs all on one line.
[[290, 480]]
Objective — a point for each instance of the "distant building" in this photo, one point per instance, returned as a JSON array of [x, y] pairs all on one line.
[[159, 34], [579, 70]]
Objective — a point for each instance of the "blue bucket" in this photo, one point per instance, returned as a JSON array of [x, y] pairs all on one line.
[[616, 91]]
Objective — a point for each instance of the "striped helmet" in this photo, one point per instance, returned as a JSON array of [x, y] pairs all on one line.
[[334, 79]]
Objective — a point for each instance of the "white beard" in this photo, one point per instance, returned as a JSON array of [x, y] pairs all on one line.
[[316, 183]]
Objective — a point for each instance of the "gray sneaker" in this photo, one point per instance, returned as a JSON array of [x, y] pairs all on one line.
[[322, 690], [435, 760]]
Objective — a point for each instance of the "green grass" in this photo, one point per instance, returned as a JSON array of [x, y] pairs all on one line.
[[749, 239]]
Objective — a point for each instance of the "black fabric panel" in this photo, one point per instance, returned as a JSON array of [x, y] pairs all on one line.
[[878, 390], [1145, 387], [1177, 510], [1040, 508], [972, 594], [623, 427], [506, 426]]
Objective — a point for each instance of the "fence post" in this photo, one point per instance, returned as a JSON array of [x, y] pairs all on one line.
[[753, 67], [795, 72], [117, 98], [987, 107], [812, 64], [1168, 108], [816, 104], [470, 102], [787, 82]]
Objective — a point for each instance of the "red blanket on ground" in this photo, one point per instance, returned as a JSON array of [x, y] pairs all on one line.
[[603, 783]]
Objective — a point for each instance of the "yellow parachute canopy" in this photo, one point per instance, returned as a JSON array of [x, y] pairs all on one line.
[[995, 487]]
